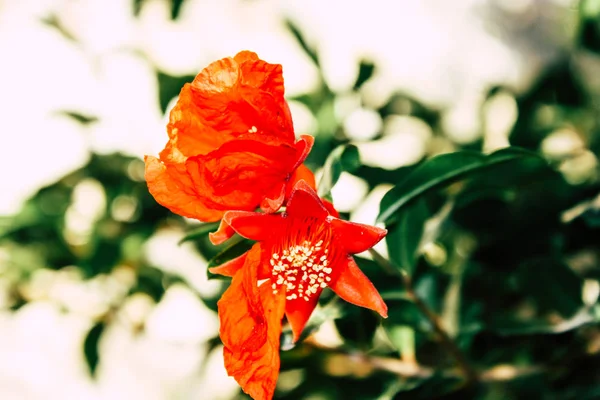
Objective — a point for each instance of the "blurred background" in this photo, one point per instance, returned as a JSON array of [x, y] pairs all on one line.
[[98, 300]]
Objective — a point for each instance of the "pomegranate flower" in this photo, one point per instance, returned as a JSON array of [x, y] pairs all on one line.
[[231, 143], [299, 252]]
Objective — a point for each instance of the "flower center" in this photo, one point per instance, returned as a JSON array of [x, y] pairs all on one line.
[[302, 269]]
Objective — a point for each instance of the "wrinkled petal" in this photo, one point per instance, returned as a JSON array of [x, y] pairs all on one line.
[[221, 76], [250, 330], [253, 226], [274, 200], [173, 189], [260, 74], [257, 371], [188, 129], [231, 142], [240, 173], [224, 232], [355, 237], [303, 147], [298, 312], [243, 324], [243, 94], [229, 98], [354, 287], [301, 173], [304, 202]]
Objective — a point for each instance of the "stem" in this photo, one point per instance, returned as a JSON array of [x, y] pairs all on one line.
[[497, 373], [445, 340]]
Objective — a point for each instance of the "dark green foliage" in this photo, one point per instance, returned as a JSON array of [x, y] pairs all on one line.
[[365, 71], [169, 87], [404, 236], [441, 171], [343, 158], [589, 28], [175, 7], [235, 247], [310, 52], [90, 346], [200, 232]]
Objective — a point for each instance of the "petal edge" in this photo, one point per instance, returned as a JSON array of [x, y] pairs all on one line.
[[356, 237], [354, 287]]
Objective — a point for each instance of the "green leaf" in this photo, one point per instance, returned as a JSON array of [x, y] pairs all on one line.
[[176, 8], [327, 123], [90, 346], [438, 386], [552, 285], [405, 313], [235, 249], [342, 158], [589, 26], [79, 117], [403, 237], [201, 231], [365, 72], [400, 385], [590, 9], [358, 326], [169, 87], [300, 38], [403, 338], [441, 171], [150, 281]]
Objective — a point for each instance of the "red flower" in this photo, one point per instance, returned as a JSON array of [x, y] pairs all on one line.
[[300, 251], [231, 143]]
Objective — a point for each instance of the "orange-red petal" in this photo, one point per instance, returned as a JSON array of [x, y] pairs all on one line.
[[301, 173], [243, 94], [257, 371], [273, 200], [240, 173], [260, 74], [240, 309], [304, 202], [251, 225], [232, 97], [354, 287], [224, 232], [250, 328], [172, 187], [188, 128], [355, 237], [330, 209], [303, 147], [298, 312], [231, 142]]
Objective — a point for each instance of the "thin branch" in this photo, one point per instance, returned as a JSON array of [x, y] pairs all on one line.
[[445, 340], [497, 373]]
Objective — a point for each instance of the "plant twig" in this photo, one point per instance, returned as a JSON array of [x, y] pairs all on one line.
[[445, 340], [497, 373]]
